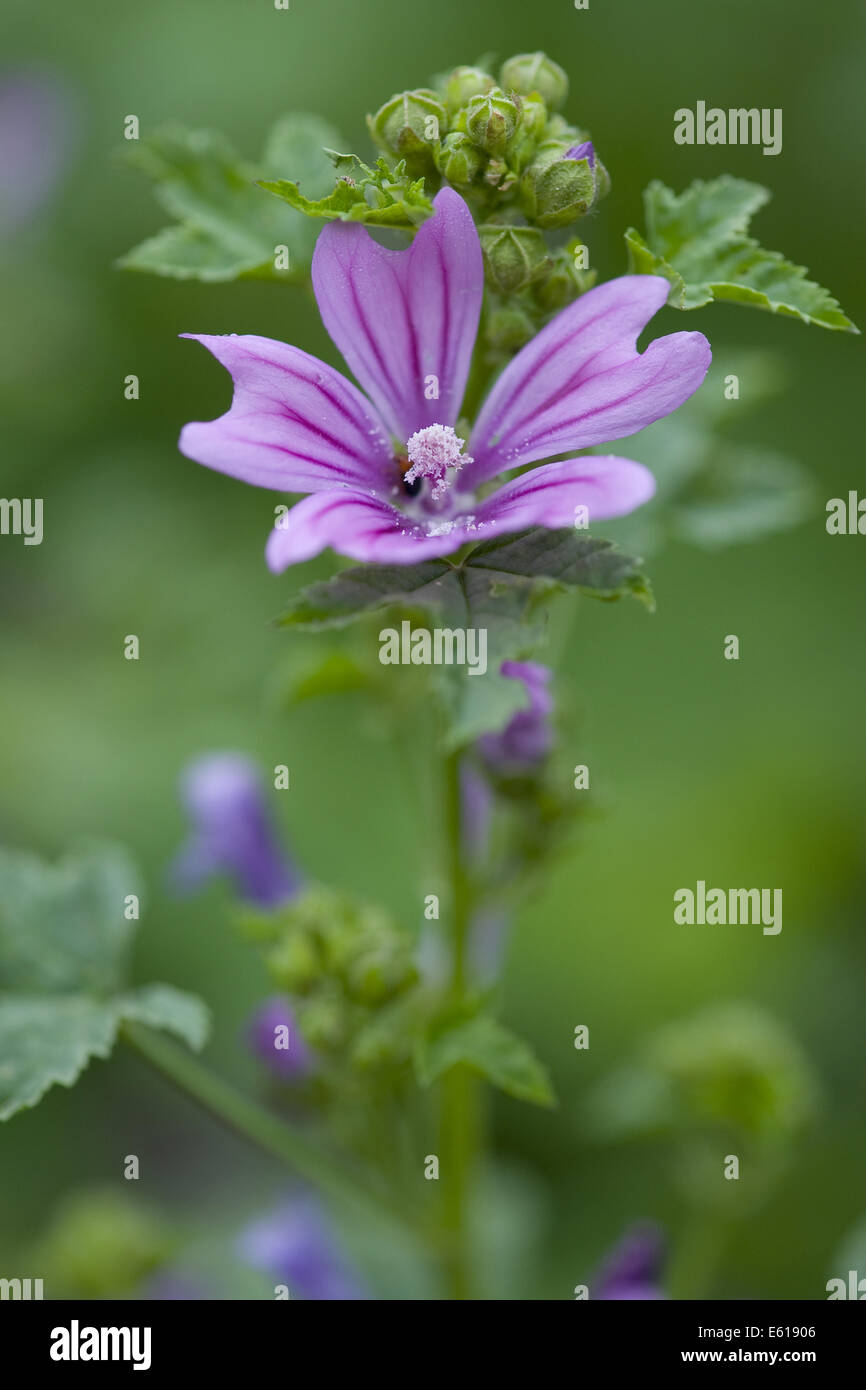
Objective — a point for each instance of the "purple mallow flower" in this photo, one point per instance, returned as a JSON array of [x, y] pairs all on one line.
[[633, 1269], [525, 741], [232, 832], [296, 1246], [386, 472], [270, 1028]]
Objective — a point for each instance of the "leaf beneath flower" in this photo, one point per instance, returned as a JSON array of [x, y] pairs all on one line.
[[699, 241], [498, 589]]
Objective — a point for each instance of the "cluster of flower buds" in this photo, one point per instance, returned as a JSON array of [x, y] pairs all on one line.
[[346, 967], [502, 143]]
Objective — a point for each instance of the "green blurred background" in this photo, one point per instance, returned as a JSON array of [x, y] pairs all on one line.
[[739, 773]]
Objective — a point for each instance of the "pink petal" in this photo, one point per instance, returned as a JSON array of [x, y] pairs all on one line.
[[402, 317], [358, 525], [295, 424], [548, 496], [580, 381]]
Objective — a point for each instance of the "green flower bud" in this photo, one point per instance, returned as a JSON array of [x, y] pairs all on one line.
[[492, 120], [294, 963], [567, 278], [322, 1022], [379, 974], [733, 1066], [409, 126], [534, 74], [534, 122], [102, 1244], [463, 84], [385, 1041], [562, 183], [457, 159], [509, 329], [513, 256]]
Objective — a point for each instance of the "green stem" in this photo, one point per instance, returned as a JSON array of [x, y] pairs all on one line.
[[460, 1116], [256, 1124]]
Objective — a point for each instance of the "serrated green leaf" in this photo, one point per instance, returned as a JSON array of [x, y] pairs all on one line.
[[170, 1009], [64, 945], [537, 559], [226, 226], [355, 592], [483, 1044], [185, 252], [378, 196], [62, 926], [699, 240], [568, 557], [48, 1040]]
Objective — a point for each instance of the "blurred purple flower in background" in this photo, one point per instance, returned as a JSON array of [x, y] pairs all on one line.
[[526, 739], [476, 807], [36, 134], [296, 1246], [232, 832], [288, 1063], [633, 1269]]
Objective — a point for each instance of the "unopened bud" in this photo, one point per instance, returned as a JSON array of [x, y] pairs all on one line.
[[491, 120], [458, 160], [378, 975], [463, 84], [409, 126], [294, 964], [567, 278], [562, 184], [534, 74], [322, 1022], [509, 329], [534, 122], [513, 256]]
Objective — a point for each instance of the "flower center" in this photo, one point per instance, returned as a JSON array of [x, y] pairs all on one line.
[[434, 453]]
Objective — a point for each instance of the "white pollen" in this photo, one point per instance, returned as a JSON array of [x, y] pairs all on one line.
[[433, 453]]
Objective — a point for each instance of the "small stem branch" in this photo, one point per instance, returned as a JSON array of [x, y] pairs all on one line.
[[247, 1118], [460, 1129]]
